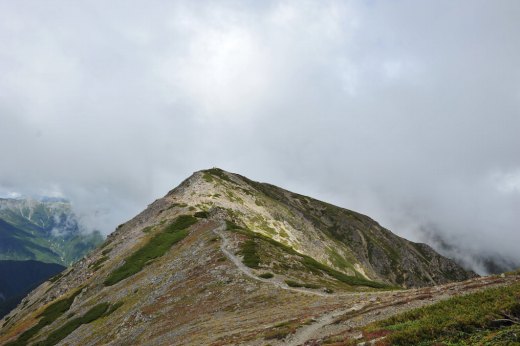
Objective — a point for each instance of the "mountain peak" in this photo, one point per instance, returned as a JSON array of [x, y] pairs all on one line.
[[216, 246], [345, 240]]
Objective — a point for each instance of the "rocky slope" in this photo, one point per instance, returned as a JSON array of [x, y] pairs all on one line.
[[348, 241], [46, 230], [222, 260]]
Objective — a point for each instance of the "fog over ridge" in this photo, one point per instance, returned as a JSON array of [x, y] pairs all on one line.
[[408, 112]]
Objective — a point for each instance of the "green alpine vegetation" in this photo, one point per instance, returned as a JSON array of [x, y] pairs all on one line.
[[48, 316], [489, 317], [292, 283], [251, 258], [96, 312], [154, 248]]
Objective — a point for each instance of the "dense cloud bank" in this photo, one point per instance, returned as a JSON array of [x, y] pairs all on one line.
[[407, 111]]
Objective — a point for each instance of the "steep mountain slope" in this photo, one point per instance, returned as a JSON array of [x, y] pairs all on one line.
[[17, 278], [343, 239], [45, 230], [222, 260]]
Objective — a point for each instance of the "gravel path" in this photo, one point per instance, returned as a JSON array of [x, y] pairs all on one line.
[[307, 332], [347, 322], [224, 246], [369, 307]]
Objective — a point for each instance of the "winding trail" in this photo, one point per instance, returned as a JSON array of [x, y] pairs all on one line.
[[305, 333], [247, 271], [349, 321], [372, 306]]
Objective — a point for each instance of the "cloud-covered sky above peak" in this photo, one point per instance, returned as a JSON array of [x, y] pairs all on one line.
[[407, 111]]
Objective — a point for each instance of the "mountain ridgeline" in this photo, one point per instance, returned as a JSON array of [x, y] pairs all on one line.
[[216, 247]]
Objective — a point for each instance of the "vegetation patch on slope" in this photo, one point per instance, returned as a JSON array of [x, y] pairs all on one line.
[[201, 214], [96, 265], [292, 283], [98, 311], [156, 247], [49, 315], [489, 317], [266, 275], [251, 258], [217, 172]]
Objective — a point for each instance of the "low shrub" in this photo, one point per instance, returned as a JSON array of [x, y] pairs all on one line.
[[278, 334], [217, 172], [231, 226], [56, 277], [292, 283], [282, 330], [156, 247], [201, 214], [96, 312], [49, 315], [96, 265], [251, 258], [464, 320]]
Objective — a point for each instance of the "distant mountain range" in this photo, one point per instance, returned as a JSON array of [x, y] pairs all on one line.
[[38, 239], [45, 230]]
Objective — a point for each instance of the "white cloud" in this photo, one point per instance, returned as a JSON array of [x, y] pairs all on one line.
[[508, 182], [397, 109]]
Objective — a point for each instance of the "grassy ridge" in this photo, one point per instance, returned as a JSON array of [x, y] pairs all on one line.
[[309, 262], [474, 319], [156, 247]]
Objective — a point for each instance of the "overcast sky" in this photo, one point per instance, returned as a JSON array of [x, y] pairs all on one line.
[[408, 111]]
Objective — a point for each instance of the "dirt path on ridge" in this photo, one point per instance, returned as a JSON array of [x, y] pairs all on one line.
[[224, 246]]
